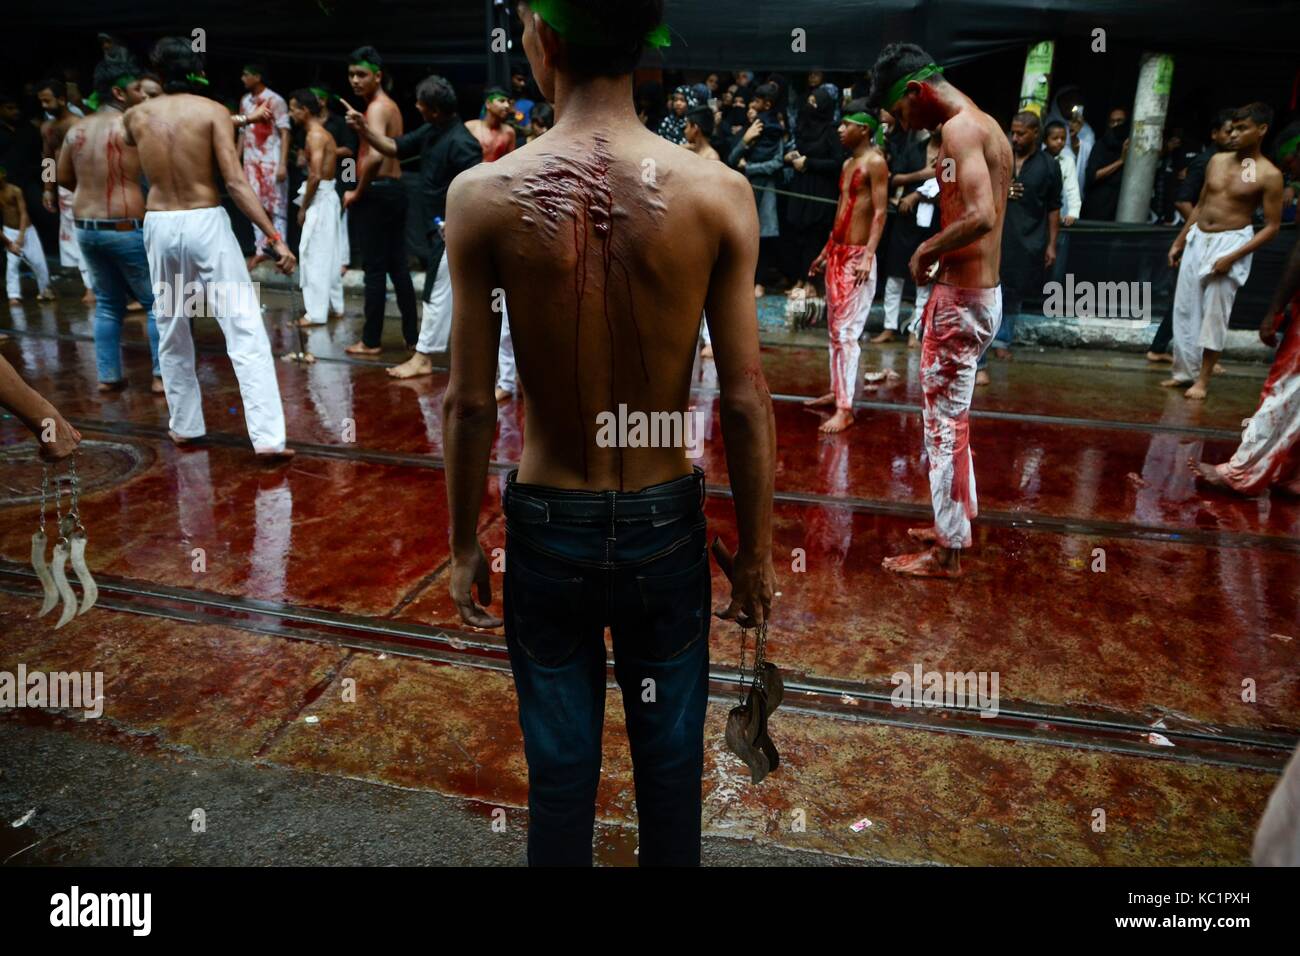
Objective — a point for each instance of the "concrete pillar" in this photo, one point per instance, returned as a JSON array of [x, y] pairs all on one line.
[[1150, 104], [1037, 79]]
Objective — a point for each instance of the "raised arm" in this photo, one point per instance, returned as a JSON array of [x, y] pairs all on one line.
[[469, 408], [748, 428], [223, 150], [374, 135]]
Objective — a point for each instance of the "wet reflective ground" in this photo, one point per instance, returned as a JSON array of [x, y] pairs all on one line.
[[321, 593]]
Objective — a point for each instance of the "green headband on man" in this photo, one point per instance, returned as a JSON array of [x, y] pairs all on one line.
[[1284, 150], [122, 82], [367, 65], [897, 91], [560, 16], [870, 122]]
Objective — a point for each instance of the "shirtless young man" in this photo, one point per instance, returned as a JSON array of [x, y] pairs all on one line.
[[102, 174], [184, 141], [318, 248], [1269, 453], [964, 309], [849, 258], [599, 535], [378, 205], [494, 134], [55, 198], [699, 130], [21, 242], [1216, 245]]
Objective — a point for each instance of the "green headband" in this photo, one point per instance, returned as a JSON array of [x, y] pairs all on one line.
[[320, 93], [1286, 149], [568, 23], [367, 65], [496, 96], [197, 80], [898, 89], [869, 121], [252, 71]]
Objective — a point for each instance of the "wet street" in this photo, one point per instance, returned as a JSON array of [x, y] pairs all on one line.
[[266, 635]]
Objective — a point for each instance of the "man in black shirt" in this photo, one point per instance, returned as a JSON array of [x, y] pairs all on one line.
[[1029, 228], [446, 149]]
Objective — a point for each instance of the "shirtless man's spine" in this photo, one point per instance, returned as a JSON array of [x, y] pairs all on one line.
[[184, 141], [964, 310]]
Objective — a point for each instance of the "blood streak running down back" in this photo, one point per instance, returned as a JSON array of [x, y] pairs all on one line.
[[575, 193]]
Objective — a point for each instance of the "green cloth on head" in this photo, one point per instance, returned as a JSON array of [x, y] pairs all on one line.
[[93, 101], [367, 65], [197, 80], [560, 16], [869, 121], [898, 89], [320, 93], [1287, 148]]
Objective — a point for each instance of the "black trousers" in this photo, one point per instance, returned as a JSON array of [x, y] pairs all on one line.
[[381, 234]]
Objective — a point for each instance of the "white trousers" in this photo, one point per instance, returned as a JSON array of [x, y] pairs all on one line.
[[506, 355], [318, 256], [197, 266], [345, 244], [69, 251], [35, 255], [894, 304], [435, 321], [1203, 300]]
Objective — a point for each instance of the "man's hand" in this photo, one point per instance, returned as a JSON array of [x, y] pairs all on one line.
[[818, 265], [13, 247], [302, 215], [909, 202], [65, 440], [1176, 252], [753, 582], [1049, 256], [1123, 151], [261, 114], [349, 198], [754, 132], [355, 118], [281, 173], [862, 273], [469, 572], [1268, 330], [1223, 265], [285, 261], [1067, 220], [49, 199], [920, 263]]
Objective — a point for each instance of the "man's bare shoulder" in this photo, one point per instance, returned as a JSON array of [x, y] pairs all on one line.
[[875, 163]]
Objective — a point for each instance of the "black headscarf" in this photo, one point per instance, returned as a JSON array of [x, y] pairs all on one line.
[[816, 121]]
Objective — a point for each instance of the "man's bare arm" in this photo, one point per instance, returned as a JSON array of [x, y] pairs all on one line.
[[36, 412], [67, 173], [377, 123], [223, 149], [23, 219], [469, 408], [315, 164], [878, 175], [975, 182], [376, 138], [745, 405]]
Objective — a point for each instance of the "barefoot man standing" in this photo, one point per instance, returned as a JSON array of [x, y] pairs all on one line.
[[1216, 245], [320, 278], [849, 258], [184, 141], [1269, 453], [962, 315], [103, 175], [630, 236]]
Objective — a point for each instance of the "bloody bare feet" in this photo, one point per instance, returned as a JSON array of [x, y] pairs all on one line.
[[912, 341], [824, 401], [274, 457], [180, 440], [935, 563], [417, 365], [841, 420], [886, 336], [924, 535], [1197, 392], [361, 348], [1208, 474]]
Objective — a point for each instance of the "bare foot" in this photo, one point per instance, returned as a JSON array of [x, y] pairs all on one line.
[[1159, 357], [982, 376], [912, 341], [361, 348], [88, 298], [1218, 370], [256, 261], [1208, 474], [1174, 383], [759, 291], [134, 306], [181, 441], [886, 336], [923, 564], [274, 457], [503, 395], [706, 352], [924, 535], [1004, 354], [825, 401], [1196, 393], [112, 386], [157, 386], [841, 420], [417, 365], [305, 322], [15, 301], [46, 296]]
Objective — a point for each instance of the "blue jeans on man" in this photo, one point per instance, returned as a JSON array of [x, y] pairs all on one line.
[[120, 270], [637, 563]]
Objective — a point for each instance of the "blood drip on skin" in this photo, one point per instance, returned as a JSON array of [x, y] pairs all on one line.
[[116, 176], [845, 217], [578, 189]]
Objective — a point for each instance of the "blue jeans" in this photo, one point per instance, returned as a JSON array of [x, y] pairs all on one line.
[[635, 562], [120, 268]]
